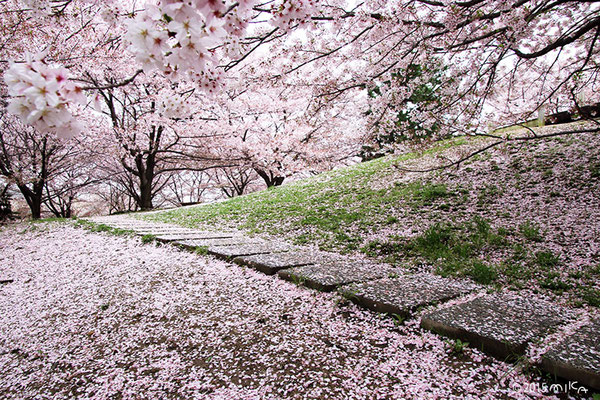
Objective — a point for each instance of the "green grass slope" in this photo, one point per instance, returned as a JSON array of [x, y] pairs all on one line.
[[332, 210]]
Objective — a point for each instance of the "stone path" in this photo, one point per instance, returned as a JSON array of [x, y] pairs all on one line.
[[271, 263], [402, 295], [577, 357], [499, 324], [332, 274]]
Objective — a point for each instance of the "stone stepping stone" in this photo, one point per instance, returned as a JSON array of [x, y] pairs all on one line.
[[272, 263], [171, 237], [232, 251], [122, 223], [138, 229], [157, 232], [231, 241], [499, 324], [406, 293], [577, 357], [329, 275]]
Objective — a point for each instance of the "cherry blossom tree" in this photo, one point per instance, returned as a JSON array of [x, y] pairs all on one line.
[[44, 168], [279, 131], [152, 130], [501, 62]]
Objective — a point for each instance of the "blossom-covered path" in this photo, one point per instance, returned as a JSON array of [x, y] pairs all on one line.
[[90, 315]]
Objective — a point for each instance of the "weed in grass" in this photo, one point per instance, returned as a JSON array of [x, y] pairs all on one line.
[[520, 252], [547, 174], [148, 238], [94, 227], [444, 207], [576, 274], [546, 260], [488, 193], [398, 319], [350, 242], [497, 240], [454, 249], [591, 296], [516, 271], [449, 267], [391, 220], [201, 250], [530, 231], [482, 272], [350, 292], [377, 248], [434, 243], [431, 192], [298, 279], [52, 219], [553, 282], [101, 228], [303, 238]]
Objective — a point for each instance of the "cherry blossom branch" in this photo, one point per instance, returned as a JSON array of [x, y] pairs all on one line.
[[124, 82]]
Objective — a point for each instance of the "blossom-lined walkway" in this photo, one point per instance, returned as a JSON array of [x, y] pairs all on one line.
[[500, 324], [97, 316]]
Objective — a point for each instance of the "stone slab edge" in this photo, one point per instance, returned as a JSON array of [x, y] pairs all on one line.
[[502, 350], [289, 275], [217, 251], [265, 269], [571, 373], [385, 307], [200, 236]]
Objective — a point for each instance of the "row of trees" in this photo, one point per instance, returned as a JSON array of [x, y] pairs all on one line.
[[136, 158], [144, 103]]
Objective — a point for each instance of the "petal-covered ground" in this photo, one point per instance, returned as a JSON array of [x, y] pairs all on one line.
[[96, 316]]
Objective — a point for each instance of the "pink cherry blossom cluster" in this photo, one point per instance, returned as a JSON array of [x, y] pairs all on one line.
[[181, 36], [188, 37], [171, 106], [41, 94], [291, 13]]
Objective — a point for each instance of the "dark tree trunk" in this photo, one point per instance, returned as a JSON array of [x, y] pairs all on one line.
[[36, 208], [145, 202], [33, 198], [146, 167], [269, 178]]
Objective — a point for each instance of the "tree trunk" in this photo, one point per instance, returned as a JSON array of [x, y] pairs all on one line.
[[36, 208], [33, 198], [269, 178], [145, 196]]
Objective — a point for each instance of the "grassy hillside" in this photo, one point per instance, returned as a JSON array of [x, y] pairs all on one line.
[[523, 215]]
